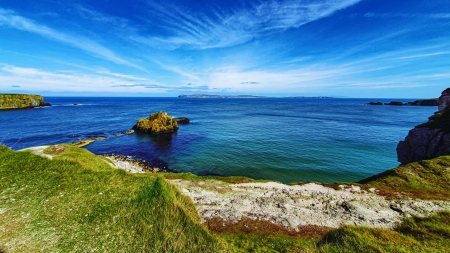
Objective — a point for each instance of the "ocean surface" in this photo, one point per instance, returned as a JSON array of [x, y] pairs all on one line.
[[283, 139]]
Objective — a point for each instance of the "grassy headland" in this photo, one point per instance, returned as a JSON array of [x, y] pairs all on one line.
[[18, 101], [77, 202]]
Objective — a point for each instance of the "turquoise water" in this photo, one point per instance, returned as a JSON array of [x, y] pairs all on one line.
[[284, 139]]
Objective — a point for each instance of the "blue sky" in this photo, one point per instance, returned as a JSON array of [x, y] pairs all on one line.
[[342, 48]]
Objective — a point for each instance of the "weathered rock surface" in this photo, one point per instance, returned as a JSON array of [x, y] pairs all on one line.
[[157, 123], [444, 100], [301, 205], [21, 101], [428, 140]]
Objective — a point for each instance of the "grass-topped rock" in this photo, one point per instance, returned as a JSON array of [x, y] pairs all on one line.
[[21, 101], [156, 123]]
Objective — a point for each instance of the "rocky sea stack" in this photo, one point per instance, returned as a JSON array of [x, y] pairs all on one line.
[[431, 139], [157, 123], [21, 101]]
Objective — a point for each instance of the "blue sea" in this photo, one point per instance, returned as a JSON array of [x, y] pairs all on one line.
[[283, 139]]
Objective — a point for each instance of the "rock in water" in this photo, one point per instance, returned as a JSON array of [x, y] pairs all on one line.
[[428, 140], [182, 120], [157, 123]]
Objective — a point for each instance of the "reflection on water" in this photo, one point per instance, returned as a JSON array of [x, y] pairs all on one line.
[[159, 140]]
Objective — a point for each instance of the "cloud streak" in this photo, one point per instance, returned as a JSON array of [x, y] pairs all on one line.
[[10, 19], [35, 79], [232, 27]]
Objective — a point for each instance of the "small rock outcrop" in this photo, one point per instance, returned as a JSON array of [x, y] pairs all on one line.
[[21, 101], [428, 140], [156, 123], [182, 120], [422, 102]]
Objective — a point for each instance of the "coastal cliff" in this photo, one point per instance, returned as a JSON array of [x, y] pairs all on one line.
[[21, 101], [431, 139]]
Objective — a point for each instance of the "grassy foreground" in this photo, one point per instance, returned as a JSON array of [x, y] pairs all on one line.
[[78, 203]]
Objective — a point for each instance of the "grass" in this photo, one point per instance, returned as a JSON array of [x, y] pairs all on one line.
[[413, 235], [78, 203], [428, 179], [441, 120]]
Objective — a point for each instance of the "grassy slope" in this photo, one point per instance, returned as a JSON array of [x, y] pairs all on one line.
[[428, 179], [77, 203]]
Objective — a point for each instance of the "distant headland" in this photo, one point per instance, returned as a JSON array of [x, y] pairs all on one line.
[[235, 96], [21, 101], [217, 96], [422, 102]]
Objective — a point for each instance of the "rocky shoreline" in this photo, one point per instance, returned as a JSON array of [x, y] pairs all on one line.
[[133, 165]]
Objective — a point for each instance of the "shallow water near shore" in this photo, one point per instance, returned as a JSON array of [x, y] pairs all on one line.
[[282, 139]]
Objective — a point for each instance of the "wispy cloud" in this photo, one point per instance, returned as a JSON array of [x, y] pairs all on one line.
[[232, 27], [177, 70], [166, 87], [9, 18], [250, 82], [36, 79]]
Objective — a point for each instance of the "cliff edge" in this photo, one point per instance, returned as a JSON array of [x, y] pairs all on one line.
[[428, 140], [21, 101]]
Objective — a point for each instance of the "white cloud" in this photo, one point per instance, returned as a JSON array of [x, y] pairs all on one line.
[[232, 27], [8, 18], [177, 70], [72, 81]]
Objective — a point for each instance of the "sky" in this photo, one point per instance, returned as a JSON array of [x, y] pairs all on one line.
[[339, 48]]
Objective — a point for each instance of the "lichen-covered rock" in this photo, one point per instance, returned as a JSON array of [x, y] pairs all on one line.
[[21, 101], [157, 123], [428, 140]]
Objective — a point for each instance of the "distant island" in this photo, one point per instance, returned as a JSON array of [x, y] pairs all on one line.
[[217, 96], [21, 101], [236, 96]]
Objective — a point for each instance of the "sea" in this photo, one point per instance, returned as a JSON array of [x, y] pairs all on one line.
[[282, 139]]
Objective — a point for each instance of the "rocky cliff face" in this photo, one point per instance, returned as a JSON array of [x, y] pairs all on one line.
[[21, 101], [431, 139]]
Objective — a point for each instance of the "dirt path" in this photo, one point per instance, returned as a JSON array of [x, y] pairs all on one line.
[[39, 150]]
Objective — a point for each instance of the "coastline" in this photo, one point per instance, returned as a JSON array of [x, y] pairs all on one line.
[[291, 207]]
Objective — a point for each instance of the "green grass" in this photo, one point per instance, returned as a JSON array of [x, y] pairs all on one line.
[[441, 120], [78, 203], [428, 179], [429, 234]]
